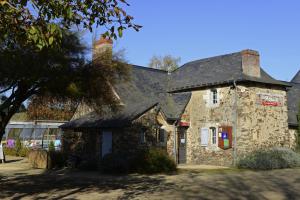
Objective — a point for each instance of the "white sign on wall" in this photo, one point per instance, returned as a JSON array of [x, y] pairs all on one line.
[[269, 99]]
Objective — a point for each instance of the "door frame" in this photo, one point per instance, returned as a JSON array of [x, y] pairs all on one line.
[[181, 130]]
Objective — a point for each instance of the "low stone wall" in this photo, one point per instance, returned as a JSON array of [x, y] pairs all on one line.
[[39, 159]]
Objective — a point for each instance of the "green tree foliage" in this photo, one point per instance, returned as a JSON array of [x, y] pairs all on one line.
[[167, 63], [40, 23], [40, 56], [51, 108], [60, 73]]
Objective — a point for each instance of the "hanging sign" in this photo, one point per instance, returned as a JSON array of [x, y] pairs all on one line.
[[185, 120], [269, 99]]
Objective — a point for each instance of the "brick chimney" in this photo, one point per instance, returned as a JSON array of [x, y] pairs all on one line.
[[250, 63], [102, 45]]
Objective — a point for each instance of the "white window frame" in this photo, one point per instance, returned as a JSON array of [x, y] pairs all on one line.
[[214, 97], [204, 143], [212, 136]]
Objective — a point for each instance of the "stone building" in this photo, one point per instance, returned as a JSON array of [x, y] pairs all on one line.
[[209, 111]]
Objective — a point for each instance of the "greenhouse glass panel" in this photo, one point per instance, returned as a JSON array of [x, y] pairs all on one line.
[[14, 133], [38, 133], [26, 133]]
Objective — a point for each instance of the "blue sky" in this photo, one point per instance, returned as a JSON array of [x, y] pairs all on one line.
[[194, 29]]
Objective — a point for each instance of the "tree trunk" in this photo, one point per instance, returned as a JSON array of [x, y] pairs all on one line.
[[6, 116]]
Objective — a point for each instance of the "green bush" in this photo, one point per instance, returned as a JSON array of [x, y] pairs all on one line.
[[23, 152], [51, 146], [275, 158], [144, 161], [57, 158], [18, 150], [155, 161], [9, 151], [88, 164], [18, 145], [117, 163]]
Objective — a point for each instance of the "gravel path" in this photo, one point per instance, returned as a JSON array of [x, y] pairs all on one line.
[[18, 181]]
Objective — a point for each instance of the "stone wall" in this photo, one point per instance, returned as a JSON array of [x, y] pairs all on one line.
[[84, 143], [258, 126], [169, 129], [87, 143], [293, 137], [127, 139], [261, 126], [203, 114]]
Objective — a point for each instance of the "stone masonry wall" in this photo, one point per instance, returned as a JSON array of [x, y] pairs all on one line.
[[258, 126], [169, 129], [201, 115], [293, 137], [261, 126]]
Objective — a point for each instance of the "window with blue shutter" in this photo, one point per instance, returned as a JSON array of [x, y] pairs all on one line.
[[204, 136]]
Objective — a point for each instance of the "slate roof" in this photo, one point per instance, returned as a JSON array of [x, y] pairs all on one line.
[[170, 92], [214, 71], [294, 100], [296, 78], [147, 88], [118, 119]]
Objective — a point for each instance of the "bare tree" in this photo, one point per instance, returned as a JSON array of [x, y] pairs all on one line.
[[167, 63]]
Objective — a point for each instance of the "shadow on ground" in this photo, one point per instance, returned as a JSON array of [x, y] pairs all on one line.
[[56, 185], [276, 184]]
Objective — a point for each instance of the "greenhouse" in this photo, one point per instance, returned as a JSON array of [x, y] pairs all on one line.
[[33, 134]]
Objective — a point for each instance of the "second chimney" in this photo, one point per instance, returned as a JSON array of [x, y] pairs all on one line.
[[251, 63], [101, 46]]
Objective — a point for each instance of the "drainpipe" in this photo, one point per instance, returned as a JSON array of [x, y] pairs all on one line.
[[175, 140], [235, 118]]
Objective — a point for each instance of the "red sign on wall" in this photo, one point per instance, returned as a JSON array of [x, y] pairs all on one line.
[[185, 120]]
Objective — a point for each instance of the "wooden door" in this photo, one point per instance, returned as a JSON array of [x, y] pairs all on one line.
[[106, 143]]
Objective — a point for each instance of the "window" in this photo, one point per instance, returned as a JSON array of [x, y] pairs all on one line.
[[143, 137], [214, 96], [213, 132], [161, 135], [204, 135]]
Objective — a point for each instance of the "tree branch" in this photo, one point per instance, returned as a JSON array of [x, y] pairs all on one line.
[[6, 89]]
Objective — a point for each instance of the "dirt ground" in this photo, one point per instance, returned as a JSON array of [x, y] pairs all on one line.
[[19, 181]]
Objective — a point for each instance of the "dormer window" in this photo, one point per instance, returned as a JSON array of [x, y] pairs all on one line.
[[214, 96]]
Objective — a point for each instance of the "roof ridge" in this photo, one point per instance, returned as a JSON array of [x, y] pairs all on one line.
[[206, 59], [149, 68]]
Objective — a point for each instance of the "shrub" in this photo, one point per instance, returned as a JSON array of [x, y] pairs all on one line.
[[16, 151], [88, 164], [51, 146], [23, 152], [18, 145], [155, 161], [9, 151], [144, 161], [117, 163], [57, 159], [275, 158]]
